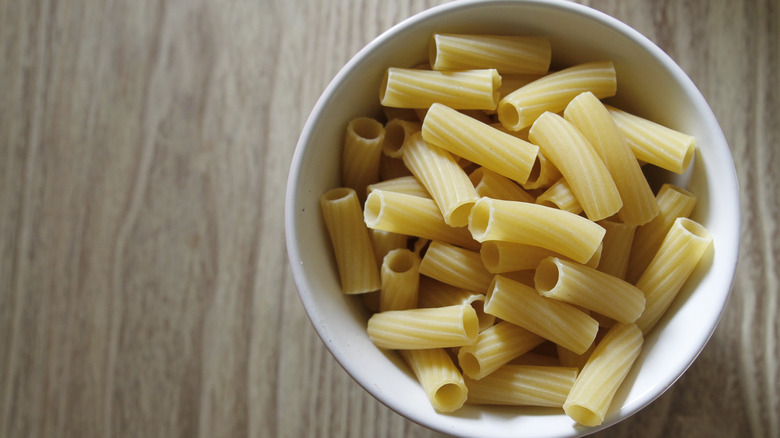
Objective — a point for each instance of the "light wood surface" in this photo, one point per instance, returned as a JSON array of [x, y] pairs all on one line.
[[144, 283]]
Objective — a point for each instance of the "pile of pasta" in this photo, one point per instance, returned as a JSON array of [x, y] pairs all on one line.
[[500, 228]]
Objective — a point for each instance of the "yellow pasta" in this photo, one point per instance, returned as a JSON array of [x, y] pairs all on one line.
[[443, 178], [560, 196], [433, 293], [589, 288], [400, 275], [440, 379], [617, 242], [361, 154], [403, 184], [592, 119], [554, 91], [673, 202], [459, 267], [553, 320], [543, 175], [492, 185], [466, 89], [680, 252], [521, 222], [654, 143], [413, 329], [605, 370], [523, 385], [574, 156], [397, 132], [479, 143], [413, 216], [506, 53], [384, 242], [351, 241], [495, 347]]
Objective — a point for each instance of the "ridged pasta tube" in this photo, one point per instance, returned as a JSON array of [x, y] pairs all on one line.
[[466, 89], [495, 347], [523, 385], [439, 377], [506, 53], [413, 329]]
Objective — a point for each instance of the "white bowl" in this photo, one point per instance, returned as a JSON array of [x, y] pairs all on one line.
[[649, 84]]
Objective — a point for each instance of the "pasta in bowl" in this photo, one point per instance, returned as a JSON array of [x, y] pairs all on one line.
[[633, 83]]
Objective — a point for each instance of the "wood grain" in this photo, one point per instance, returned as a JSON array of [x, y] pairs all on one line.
[[144, 284]]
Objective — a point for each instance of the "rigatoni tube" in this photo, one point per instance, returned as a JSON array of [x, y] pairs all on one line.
[[605, 370], [400, 274], [440, 327], [466, 89], [523, 385], [439, 377], [680, 252], [456, 266], [574, 156], [506, 53], [495, 347], [589, 288], [479, 143], [554, 320], [351, 241], [361, 154], [521, 222], [443, 178]]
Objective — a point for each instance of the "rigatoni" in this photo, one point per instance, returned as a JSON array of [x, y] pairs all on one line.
[[495, 347], [402, 184], [589, 288], [591, 118], [654, 143], [414, 216], [400, 274], [397, 132], [617, 248], [506, 53], [554, 91], [456, 266], [523, 385], [492, 185], [680, 252], [560, 196], [443, 178], [479, 143], [440, 327], [466, 89], [439, 378], [351, 241], [521, 222], [433, 293], [553, 320], [673, 202], [605, 370], [574, 156], [360, 157]]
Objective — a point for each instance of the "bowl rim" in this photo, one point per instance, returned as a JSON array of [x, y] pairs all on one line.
[[299, 275]]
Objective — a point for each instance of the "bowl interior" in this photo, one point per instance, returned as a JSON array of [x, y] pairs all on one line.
[[650, 84]]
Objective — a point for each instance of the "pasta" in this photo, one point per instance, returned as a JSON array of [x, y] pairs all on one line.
[[495, 347], [440, 379], [605, 370], [680, 252], [574, 156], [466, 89], [412, 329], [400, 275], [433, 293], [617, 243], [525, 385], [362, 151], [553, 92], [507, 54], [384, 242], [560, 196], [553, 320], [492, 185], [414, 216], [443, 178], [459, 267], [520, 222], [589, 288], [592, 119], [397, 132], [479, 143], [653, 143], [402, 184], [351, 241], [673, 202]]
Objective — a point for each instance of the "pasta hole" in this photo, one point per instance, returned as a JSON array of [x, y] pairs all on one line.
[[508, 115], [546, 276], [460, 215], [383, 86], [480, 218], [582, 415], [400, 260], [449, 397], [373, 209], [490, 256], [694, 228], [536, 171], [469, 364], [395, 135], [337, 194], [366, 127], [470, 322]]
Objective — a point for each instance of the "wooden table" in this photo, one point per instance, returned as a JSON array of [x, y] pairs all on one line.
[[144, 282]]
